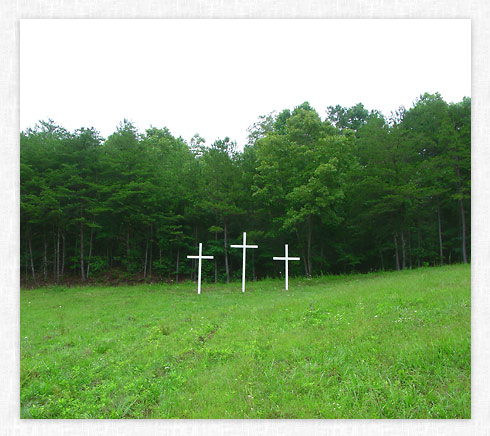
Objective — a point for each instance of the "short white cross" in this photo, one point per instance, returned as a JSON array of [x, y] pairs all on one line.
[[286, 260], [200, 257], [244, 246]]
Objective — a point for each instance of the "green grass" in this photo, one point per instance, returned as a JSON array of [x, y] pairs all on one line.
[[383, 345]]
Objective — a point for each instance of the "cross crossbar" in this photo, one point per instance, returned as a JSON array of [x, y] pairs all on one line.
[[246, 246]]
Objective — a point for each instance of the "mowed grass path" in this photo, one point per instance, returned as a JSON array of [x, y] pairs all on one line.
[[383, 345]]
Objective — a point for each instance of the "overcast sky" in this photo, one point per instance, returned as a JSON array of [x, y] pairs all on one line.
[[215, 77]]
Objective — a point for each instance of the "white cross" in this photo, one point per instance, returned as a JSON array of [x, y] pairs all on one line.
[[286, 260], [200, 257], [244, 246]]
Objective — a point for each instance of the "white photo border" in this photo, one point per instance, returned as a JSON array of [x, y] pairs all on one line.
[[11, 11]]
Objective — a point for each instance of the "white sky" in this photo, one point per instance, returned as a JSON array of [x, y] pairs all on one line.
[[215, 77]]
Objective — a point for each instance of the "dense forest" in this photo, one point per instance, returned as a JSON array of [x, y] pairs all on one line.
[[356, 191]]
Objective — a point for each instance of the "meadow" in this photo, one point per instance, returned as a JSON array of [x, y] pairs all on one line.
[[381, 345]]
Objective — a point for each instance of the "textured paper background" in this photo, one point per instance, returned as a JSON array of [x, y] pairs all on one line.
[[10, 13]]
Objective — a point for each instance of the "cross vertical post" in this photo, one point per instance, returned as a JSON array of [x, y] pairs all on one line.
[[286, 259], [199, 269], [244, 246], [244, 261], [287, 264], [199, 257]]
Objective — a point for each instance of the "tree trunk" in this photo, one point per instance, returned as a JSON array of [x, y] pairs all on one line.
[[409, 247], [146, 260], [63, 258], [302, 250], [58, 258], [90, 251], [419, 238], [177, 266], [26, 256], [321, 256], [151, 254], [45, 257], [461, 208], [127, 249], [382, 261], [404, 256], [309, 247], [170, 255], [32, 261], [160, 253], [82, 267], [463, 225], [193, 263], [397, 259], [225, 240], [441, 254], [54, 254]]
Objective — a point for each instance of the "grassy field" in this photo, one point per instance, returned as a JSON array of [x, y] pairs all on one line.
[[383, 345]]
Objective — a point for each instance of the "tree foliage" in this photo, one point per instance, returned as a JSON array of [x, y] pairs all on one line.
[[356, 190]]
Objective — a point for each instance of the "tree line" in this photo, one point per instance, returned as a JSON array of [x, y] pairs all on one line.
[[355, 191]]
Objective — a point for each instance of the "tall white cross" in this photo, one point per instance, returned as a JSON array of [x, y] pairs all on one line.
[[286, 260], [200, 257], [244, 246]]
